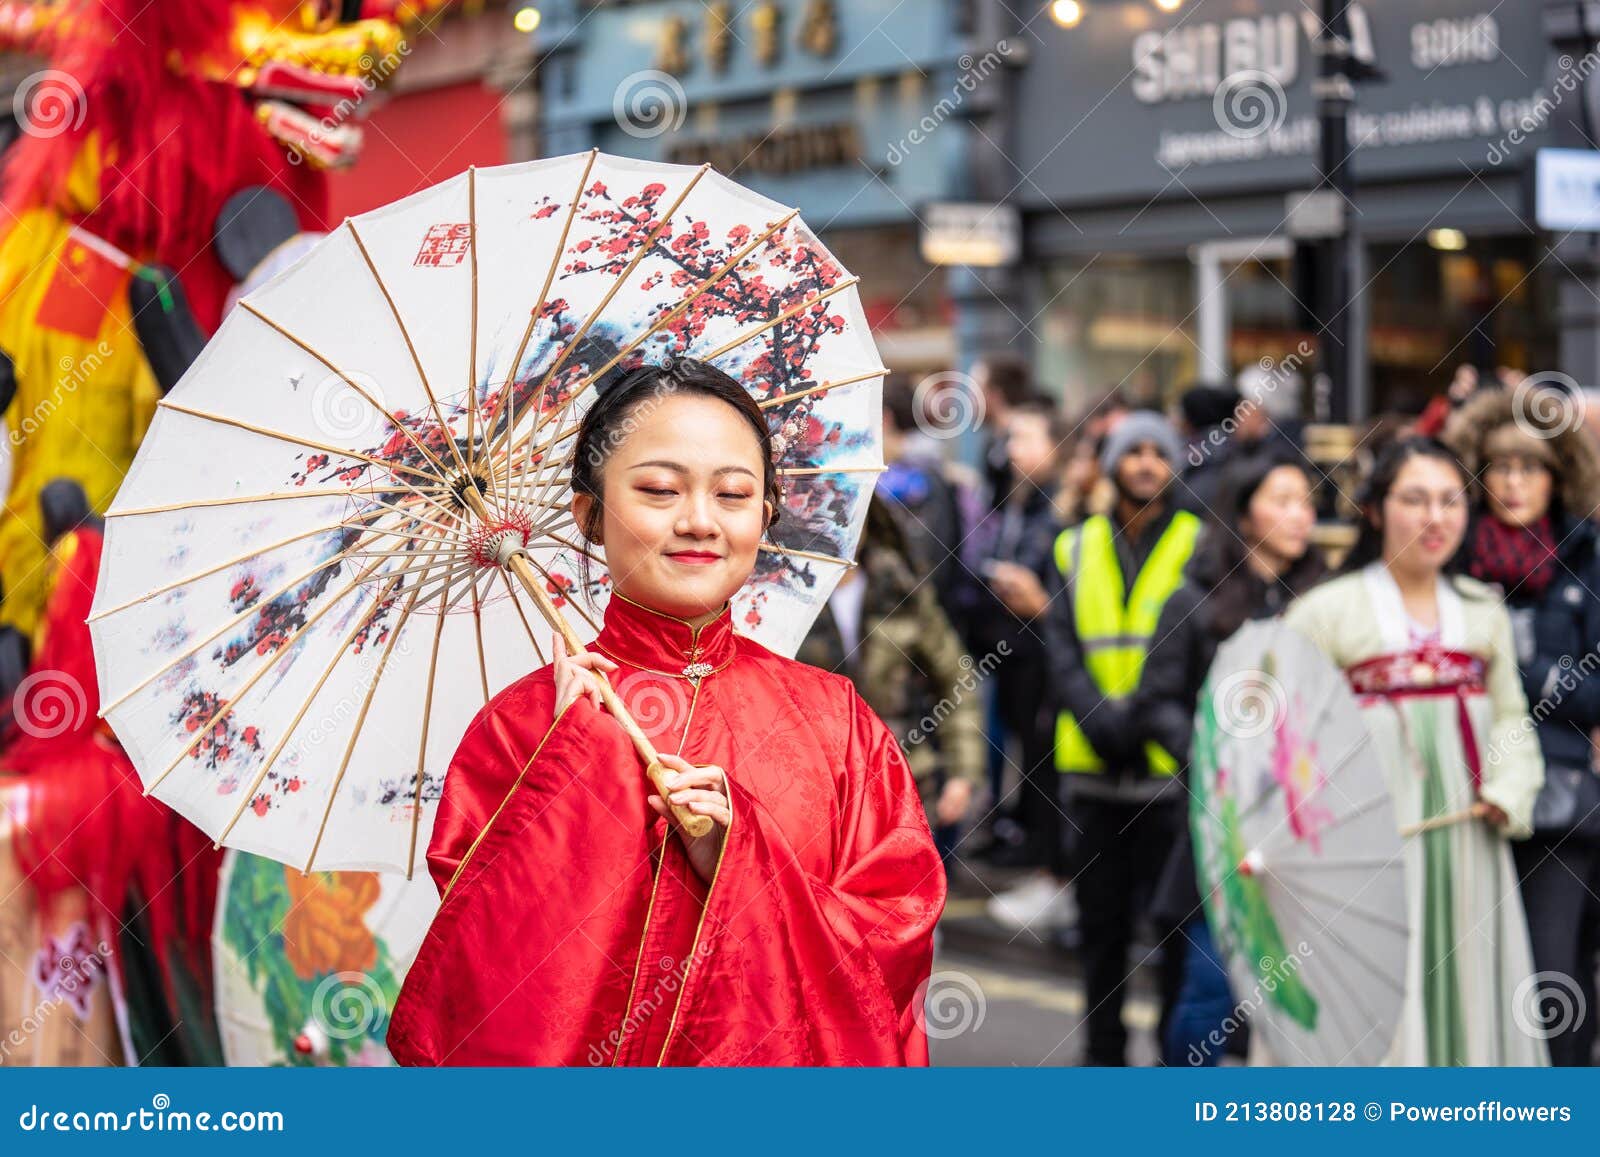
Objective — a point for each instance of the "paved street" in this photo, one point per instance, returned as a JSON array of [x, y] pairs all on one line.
[[1019, 1016]]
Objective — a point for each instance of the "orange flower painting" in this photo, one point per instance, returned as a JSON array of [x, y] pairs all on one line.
[[325, 929]]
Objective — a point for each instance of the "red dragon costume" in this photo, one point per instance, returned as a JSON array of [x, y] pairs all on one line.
[[151, 116]]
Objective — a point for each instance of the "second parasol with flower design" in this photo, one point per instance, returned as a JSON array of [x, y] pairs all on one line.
[[349, 519]]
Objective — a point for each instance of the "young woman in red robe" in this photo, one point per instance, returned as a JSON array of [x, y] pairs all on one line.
[[579, 923]]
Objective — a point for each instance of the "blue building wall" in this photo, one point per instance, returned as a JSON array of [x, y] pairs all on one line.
[[881, 86]]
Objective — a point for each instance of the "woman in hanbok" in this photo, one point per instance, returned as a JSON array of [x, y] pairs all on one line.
[[1429, 655], [579, 923]]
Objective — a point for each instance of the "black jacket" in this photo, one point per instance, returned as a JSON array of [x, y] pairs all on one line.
[[1558, 646], [1023, 531], [1187, 637]]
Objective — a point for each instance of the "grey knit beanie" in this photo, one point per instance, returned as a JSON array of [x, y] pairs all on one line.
[[1140, 426]]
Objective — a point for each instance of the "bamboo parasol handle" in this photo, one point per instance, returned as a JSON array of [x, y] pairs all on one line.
[[692, 823], [1444, 821]]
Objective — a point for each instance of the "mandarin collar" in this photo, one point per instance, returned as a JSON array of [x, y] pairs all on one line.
[[656, 641]]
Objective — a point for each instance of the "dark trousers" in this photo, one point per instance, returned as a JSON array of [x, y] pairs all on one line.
[[1119, 850], [1560, 878], [1198, 1028], [1020, 703]]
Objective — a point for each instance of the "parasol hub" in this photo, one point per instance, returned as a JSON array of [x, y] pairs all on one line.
[[495, 541], [1253, 864]]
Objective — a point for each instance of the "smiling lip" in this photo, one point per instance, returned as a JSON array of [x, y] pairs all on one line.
[[694, 557]]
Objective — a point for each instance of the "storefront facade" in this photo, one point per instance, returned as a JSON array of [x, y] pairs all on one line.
[[830, 105], [1159, 236]]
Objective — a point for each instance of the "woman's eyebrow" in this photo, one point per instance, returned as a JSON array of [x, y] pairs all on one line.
[[680, 468]]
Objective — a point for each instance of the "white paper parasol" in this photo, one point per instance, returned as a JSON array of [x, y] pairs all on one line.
[[1297, 850], [344, 525]]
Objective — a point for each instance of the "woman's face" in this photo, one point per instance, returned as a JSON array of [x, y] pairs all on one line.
[[1518, 489], [684, 509], [1424, 515], [1279, 518]]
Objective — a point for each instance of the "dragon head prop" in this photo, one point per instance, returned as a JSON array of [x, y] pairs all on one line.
[[306, 66]]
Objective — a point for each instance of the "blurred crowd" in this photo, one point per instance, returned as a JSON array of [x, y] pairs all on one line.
[[1036, 620]]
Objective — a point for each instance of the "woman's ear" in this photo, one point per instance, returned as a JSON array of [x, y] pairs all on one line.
[[582, 511]]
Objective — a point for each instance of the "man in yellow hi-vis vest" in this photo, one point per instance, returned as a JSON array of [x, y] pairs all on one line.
[[1123, 809]]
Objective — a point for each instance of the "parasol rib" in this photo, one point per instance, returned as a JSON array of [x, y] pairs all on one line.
[[393, 532], [477, 627], [809, 471], [422, 744], [405, 335], [347, 380], [472, 330], [783, 316], [272, 660], [616, 285], [361, 719], [509, 390], [312, 444], [815, 556], [840, 384], [274, 496], [299, 715]]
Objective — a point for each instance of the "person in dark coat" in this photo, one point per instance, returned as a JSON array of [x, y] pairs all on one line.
[[1208, 414], [1539, 482], [1253, 559], [1109, 578], [1009, 552]]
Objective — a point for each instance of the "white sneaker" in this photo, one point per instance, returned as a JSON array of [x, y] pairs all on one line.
[[1039, 903]]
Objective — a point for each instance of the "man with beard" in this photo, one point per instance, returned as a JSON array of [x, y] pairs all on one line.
[[1115, 572]]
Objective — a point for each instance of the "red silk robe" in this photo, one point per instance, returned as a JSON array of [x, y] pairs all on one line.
[[573, 930]]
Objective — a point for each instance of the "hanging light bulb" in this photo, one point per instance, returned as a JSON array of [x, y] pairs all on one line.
[[526, 19], [1169, 5], [1066, 13]]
